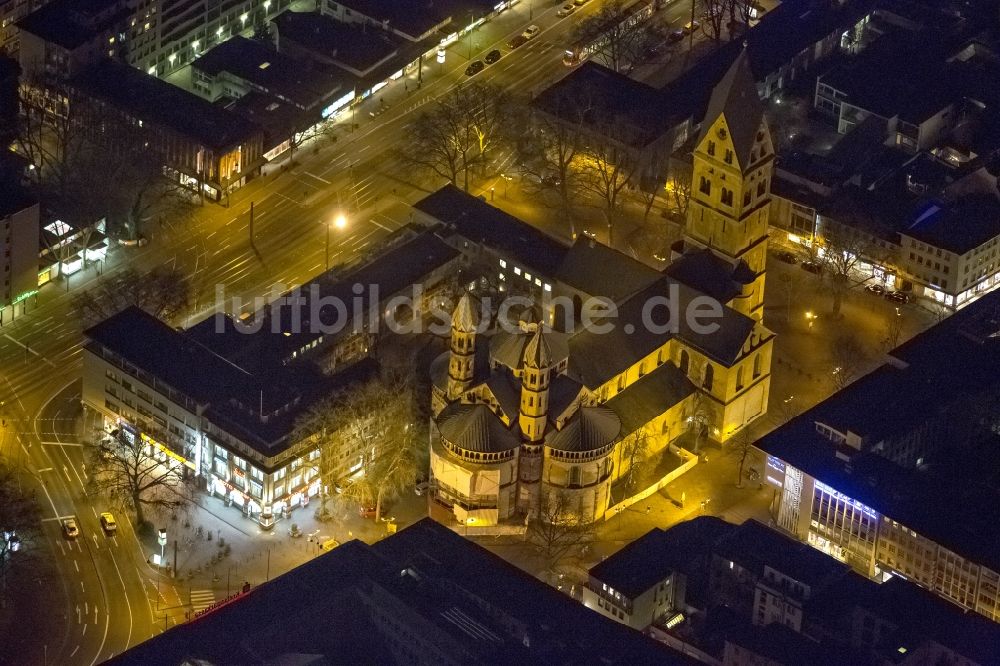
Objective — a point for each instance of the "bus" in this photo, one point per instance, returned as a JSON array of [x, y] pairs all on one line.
[[636, 13]]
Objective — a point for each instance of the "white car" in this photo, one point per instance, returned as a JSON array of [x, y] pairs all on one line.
[[531, 31], [70, 528], [566, 9], [580, 3]]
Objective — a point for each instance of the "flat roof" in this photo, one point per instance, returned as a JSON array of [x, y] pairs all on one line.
[[72, 23], [754, 546], [685, 547], [152, 100], [349, 605], [957, 226], [14, 199], [306, 84], [900, 74], [357, 46]]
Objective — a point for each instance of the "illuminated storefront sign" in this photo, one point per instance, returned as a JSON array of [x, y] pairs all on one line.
[[338, 104], [23, 296], [840, 496], [152, 442]]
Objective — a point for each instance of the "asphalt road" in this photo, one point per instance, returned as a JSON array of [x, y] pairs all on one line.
[[109, 597]]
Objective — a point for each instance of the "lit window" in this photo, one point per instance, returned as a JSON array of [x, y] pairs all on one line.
[[527, 276], [538, 282], [503, 264], [517, 271], [548, 287]]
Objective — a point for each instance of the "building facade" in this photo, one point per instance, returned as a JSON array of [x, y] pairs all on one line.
[[19, 237]]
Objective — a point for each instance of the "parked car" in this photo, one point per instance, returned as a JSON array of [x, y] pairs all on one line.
[[366, 511], [897, 297], [70, 528], [517, 41], [786, 256], [108, 523], [531, 31], [474, 68], [493, 56], [329, 544], [812, 267], [589, 234], [876, 289], [566, 10], [675, 35], [421, 488], [580, 3], [691, 26]]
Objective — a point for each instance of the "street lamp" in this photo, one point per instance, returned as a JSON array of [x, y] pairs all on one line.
[[340, 222]]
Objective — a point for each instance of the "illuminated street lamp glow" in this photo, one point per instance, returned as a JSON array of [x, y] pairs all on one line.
[[243, 18], [340, 221]]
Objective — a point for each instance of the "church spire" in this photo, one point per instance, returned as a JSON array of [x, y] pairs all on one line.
[[461, 363]]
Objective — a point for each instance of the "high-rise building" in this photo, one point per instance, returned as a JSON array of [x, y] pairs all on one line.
[[19, 215]]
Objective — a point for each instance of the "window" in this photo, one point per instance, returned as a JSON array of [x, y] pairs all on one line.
[[729, 157], [574, 476], [761, 188], [684, 361], [705, 186], [706, 383], [711, 148], [739, 378], [756, 366], [727, 197]]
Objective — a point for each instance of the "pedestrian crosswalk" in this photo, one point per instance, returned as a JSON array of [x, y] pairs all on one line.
[[201, 599]]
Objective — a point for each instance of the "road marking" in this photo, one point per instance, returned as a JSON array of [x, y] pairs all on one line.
[[322, 180], [46, 520], [61, 444], [85, 629], [377, 224], [47, 469], [74, 650], [76, 566], [201, 599], [81, 586]]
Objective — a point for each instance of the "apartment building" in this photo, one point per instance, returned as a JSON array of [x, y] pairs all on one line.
[[19, 219]]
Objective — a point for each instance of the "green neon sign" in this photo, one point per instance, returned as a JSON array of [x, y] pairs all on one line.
[[24, 296]]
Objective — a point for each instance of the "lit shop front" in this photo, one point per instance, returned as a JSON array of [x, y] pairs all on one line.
[[260, 496]]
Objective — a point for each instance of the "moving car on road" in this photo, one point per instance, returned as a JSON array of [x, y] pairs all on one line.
[[520, 40], [876, 289], [675, 35], [70, 528], [566, 10], [108, 523], [493, 56], [580, 3], [691, 26], [474, 68], [531, 31]]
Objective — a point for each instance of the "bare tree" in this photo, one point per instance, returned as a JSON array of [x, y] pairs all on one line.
[[558, 528], [893, 330], [457, 134], [742, 444], [635, 454], [548, 152], [124, 470], [848, 358], [620, 37], [163, 292], [371, 424], [19, 526], [844, 249], [608, 166], [714, 18]]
